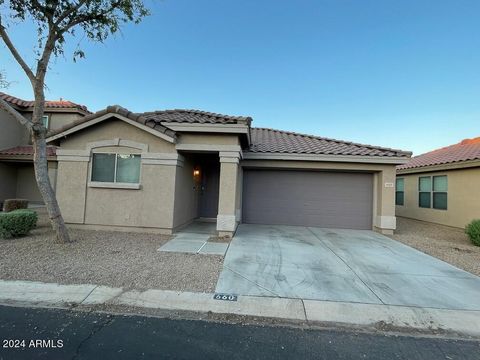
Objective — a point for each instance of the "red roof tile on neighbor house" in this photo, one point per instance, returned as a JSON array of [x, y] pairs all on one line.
[[468, 149], [49, 104], [27, 150]]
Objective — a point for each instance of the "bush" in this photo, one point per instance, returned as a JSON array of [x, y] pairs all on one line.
[[17, 223], [473, 231], [14, 204]]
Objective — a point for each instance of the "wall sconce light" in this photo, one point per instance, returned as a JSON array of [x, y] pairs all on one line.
[[196, 171]]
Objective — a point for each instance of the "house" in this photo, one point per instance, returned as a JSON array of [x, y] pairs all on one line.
[[441, 186], [158, 171], [16, 153]]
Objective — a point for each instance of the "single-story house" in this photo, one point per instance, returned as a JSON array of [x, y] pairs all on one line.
[[158, 171], [441, 186]]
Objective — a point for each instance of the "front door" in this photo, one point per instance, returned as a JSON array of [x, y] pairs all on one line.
[[208, 202]]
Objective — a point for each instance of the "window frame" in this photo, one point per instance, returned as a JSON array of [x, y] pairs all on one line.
[[47, 123], [432, 192], [439, 192], [115, 184], [398, 191]]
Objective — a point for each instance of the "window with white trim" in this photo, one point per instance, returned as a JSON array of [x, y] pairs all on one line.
[[45, 121], [116, 168]]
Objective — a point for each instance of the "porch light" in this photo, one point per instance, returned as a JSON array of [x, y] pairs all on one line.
[[196, 171]]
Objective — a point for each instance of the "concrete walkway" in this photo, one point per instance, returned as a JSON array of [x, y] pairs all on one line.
[[343, 266], [325, 312], [193, 239]]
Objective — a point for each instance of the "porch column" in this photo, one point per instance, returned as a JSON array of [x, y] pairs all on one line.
[[227, 197], [384, 215]]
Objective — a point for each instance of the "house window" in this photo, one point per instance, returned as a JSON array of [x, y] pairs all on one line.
[[45, 121], [116, 168], [400, 192], [432, 188], [440, 187]]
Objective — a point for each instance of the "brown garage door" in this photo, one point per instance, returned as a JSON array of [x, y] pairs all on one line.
[[308, 198]]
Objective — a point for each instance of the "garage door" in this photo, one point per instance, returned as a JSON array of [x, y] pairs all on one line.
[[308, 198]]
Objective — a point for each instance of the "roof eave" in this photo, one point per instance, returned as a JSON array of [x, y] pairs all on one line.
[[391, 160], [441, 167]]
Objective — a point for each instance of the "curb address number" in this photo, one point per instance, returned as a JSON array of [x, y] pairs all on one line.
[[225, 297]]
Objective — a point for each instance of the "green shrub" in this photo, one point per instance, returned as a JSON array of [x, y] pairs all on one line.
[[17, 223], [473, 231], [14, 204]]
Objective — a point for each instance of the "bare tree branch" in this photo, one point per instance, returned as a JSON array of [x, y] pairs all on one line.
[[15, 53], [21, 119]]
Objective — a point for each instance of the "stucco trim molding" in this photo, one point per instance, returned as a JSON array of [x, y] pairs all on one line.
[[330, 158], [386, 222], [73, 155], [109, 116], [169, 159], [110, 185], [210, 128], [117, 142], [207, 147], [226, 222], [230, 156]]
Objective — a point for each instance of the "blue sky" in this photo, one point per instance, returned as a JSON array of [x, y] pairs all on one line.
[[402, 74]]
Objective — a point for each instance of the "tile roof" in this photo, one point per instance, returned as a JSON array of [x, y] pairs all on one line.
[[468, 149], [116, 109], [27, 150], [276, 141], [155, 119], [195, 116], [49, 104]]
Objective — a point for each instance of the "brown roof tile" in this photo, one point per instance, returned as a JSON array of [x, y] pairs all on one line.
[[195, 116], [276, 141], [49, 104], [27, 150], [468, 149], [116, 109]]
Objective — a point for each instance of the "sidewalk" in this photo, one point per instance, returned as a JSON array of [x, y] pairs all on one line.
[[461, 322]]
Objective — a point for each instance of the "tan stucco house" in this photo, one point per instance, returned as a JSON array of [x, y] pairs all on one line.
[[158, 171], [441, 186], [17, 179]]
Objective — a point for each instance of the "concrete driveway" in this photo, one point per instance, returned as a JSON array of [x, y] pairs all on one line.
[[341, 265]]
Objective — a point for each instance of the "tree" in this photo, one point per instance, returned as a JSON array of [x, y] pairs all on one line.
[[56, 20], [3, 81]]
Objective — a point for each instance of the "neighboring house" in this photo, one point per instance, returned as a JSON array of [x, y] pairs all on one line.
[[441, 186], [158, 171], [17, 179]]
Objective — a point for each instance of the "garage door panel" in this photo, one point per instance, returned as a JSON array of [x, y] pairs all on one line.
[[325, 199]]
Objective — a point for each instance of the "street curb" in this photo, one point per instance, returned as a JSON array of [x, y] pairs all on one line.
[[465, 322]]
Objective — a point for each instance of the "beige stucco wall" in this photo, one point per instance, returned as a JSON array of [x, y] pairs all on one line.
[[8, 182], [463, 198], [27, 185], [59, 120], [186, 194], [150, 206], [12, 133], [383, 192], [116, 129]]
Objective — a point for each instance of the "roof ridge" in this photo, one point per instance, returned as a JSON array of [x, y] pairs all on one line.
[[28, 103], [336, 140], [199, 112]]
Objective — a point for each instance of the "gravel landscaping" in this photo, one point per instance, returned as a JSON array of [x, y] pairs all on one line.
[[119, 259], [444, 242]]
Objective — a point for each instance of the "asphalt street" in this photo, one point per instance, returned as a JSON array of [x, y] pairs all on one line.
[[66, 334]]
